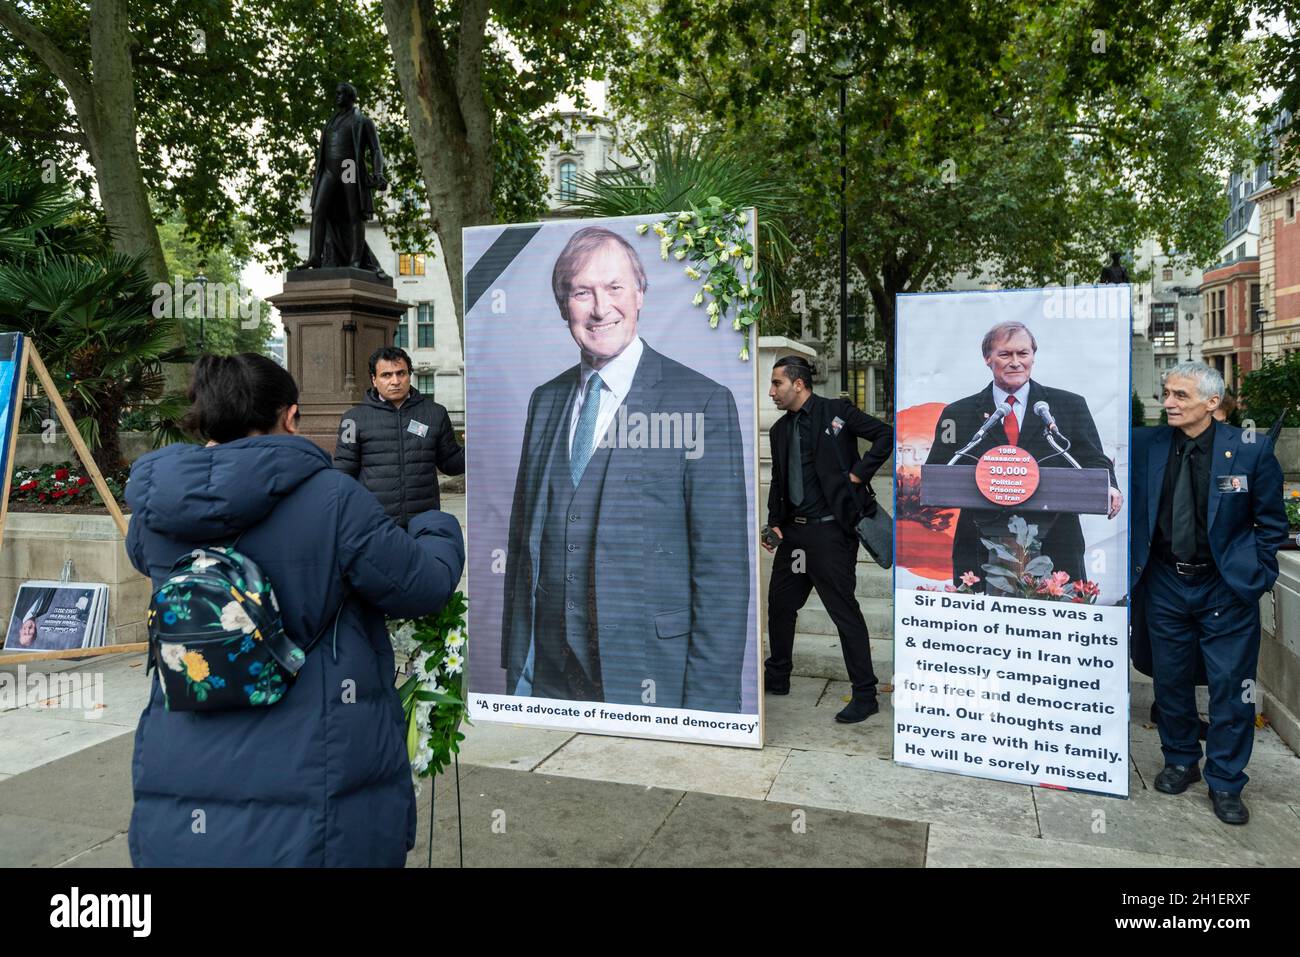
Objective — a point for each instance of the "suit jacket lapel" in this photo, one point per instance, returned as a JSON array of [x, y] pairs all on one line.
[[553, 452], [642, 396], [1220, 464], [1030, 424], [1157, 459]]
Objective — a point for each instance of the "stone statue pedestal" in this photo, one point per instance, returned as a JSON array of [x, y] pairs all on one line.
[[333, 320]]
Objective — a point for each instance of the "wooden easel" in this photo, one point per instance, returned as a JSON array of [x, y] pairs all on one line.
[[29, 354]]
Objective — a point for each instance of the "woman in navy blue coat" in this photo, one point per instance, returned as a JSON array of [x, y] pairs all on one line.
[[320, 779]]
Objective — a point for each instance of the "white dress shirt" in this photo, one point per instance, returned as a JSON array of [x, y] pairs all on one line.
[[616, 377], [1019, 410]]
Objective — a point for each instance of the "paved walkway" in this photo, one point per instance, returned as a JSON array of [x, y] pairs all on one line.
[[818, 794]]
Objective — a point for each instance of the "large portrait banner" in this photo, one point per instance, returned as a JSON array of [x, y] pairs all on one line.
[[1011, 541], [611, 435]]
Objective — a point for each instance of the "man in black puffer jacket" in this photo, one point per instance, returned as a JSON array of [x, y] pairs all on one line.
[[397, 440]]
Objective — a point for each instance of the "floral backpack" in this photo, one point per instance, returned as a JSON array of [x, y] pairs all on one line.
[[216, 637]]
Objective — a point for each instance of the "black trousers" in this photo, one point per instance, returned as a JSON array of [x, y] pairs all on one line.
[[822, 556]]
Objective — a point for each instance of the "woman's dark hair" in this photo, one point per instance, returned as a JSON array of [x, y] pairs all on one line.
[[232, 396], [796, 368]]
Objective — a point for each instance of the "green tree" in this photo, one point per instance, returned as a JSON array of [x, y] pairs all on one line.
[[88, 311], [466, 91], [234, 320], [1273, 390], [1019, 139]]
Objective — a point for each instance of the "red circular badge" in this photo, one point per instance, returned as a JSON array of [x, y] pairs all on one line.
[[1007, 475]]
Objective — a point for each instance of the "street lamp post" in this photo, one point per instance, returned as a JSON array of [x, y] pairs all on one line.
[[842, 70], [202, 280]]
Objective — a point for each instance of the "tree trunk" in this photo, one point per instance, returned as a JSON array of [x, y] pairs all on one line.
[[450, 123], [113, 143]]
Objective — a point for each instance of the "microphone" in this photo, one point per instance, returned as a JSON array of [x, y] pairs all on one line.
[[1044, 412], [1000, 413]]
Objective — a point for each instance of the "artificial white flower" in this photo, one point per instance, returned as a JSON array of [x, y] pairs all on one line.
[[685, 217], [749, 262], [735, 323], [455, 639], [688, 239], [737, 252], [453, 663], [640, 230], [744, 353], [699, 298], [659, 228], [742, 217], [692, 272], [707, 287], [173, 655], [233, 616], [744, 291], [680, 254], [713, 308]]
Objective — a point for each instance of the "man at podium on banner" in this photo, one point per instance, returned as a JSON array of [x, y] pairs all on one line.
[[1023, 410]]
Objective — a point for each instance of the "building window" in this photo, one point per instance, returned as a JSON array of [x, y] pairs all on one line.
[[1167, 275], [424, 326], [1223, 312], [410, 264], [568, 180], [1164, 325], [402, 337], [1241, 251], [1254, 307], [1290, 208], [424, 382]]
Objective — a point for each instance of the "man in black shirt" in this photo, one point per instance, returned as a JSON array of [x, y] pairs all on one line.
[[1207, 523], [815, 500]]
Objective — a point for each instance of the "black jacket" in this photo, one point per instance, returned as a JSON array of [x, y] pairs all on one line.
[[1063, 540], [846, 500], [379, 447]]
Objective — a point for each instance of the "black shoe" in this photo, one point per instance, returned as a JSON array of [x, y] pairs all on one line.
[[859, 709], [775, 686], [1177, 778], [1205, 729], [1229, 808]]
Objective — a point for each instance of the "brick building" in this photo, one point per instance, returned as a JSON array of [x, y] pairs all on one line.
[[1279, 271], [1229, 308]]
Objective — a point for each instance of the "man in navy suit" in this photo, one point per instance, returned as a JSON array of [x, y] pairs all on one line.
[[1207, 523], [627, 572]]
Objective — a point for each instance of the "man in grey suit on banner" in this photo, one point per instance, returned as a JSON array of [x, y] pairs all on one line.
[[627, 572]]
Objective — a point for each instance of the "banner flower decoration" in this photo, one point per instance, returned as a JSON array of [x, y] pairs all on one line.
[[714, 242]]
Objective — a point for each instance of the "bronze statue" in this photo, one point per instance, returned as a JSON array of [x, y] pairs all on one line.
[[342, 188], [1115, 272]]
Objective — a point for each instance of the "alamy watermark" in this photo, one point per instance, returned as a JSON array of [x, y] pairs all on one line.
[[211, 300], [71, 690], [656, 430]]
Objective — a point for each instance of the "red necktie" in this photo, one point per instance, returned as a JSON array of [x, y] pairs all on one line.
[[1010, 423]]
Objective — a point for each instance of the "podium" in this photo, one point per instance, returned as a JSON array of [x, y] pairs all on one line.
[[1014, 553], [1076, 491]]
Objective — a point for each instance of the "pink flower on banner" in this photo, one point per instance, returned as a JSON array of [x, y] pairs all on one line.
[[1051, 586], [969, 579]]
